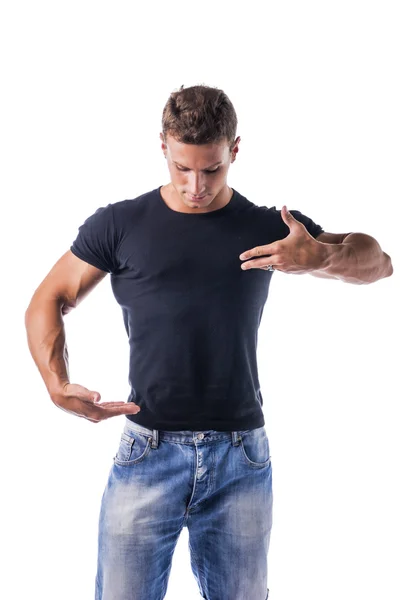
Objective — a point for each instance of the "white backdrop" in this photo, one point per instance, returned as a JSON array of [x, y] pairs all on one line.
[[316, 90]]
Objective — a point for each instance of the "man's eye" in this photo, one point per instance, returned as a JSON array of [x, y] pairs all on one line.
[[206, 171]]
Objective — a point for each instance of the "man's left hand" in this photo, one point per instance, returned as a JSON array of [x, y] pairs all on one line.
[[298, 253]]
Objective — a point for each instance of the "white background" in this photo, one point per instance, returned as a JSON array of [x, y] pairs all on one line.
[[316, 90]]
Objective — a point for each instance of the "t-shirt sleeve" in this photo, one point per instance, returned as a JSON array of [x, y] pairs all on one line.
[[282, 230], [96, 241], [312, 227]]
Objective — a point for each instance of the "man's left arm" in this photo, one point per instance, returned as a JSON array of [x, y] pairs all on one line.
[[353, 258]]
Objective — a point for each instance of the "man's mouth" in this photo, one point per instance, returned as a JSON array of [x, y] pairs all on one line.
[[196, 198]]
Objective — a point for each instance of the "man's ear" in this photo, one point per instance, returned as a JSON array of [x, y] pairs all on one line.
[[235, 148], [163, 145]]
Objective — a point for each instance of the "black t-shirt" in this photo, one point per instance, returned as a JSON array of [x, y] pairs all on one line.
[[191, 313]]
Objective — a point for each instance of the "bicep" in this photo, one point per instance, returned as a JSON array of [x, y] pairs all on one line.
[[331, 238]]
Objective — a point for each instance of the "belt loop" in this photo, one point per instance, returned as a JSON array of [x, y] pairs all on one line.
[[154, 439], [235, 438]]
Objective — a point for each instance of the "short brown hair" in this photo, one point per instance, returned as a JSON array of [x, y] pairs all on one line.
[[199, 115]]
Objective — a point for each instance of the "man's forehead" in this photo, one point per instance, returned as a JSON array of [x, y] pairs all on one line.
[[209, 155]]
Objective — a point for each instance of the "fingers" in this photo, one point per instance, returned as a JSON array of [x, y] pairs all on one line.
[[260, 263], [109, 404], [105, 410], [128, 407], [89, 407]]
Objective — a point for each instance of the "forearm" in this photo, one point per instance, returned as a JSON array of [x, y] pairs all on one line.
[[359, 260], [46, 340]]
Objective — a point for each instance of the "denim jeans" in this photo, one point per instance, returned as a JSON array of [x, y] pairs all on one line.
[[218, 484]]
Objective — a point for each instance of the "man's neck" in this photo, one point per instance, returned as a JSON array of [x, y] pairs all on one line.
[[175, 202]]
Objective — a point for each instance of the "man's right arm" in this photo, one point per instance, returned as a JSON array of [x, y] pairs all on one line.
[[62, 289], [69, 281]]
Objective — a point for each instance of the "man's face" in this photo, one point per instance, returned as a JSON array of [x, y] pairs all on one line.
[[198, 170]]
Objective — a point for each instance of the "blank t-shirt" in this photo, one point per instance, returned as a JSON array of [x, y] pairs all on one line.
[[190, 312]]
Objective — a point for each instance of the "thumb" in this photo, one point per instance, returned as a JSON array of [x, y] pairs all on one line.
[[286, 216], [95, 396], [82, 392], [289, 219]]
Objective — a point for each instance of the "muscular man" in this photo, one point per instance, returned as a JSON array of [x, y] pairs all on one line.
[[190, 265]]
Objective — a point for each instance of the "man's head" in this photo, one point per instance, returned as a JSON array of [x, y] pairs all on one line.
[[198, 140]]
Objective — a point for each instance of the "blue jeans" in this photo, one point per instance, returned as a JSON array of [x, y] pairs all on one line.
[[218, 484]]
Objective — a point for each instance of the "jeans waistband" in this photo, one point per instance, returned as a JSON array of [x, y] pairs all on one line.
[[185, 436]]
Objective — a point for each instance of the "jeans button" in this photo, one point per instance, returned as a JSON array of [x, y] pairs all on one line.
[[200, 436]]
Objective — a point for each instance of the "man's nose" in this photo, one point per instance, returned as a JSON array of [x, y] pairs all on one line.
[[196, 185]]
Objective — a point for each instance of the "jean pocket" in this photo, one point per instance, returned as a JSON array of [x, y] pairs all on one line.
[[133, 448], [255, 447]]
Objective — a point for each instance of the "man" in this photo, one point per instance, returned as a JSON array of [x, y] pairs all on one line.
[[191, 263]]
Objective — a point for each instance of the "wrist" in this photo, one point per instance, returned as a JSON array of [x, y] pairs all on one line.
[[57, 388]]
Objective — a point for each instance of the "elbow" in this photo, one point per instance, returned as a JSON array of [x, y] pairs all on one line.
[[28, 313], [38, 303], [389, 265]]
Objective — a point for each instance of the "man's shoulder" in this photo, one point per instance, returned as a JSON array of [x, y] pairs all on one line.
[[260, 211], [129, 204]]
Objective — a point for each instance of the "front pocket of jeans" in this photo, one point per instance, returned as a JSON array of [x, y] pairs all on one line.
[[255, 448], [133, 448]]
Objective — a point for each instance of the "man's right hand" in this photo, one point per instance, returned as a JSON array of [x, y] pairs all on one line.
[[80, 401]]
